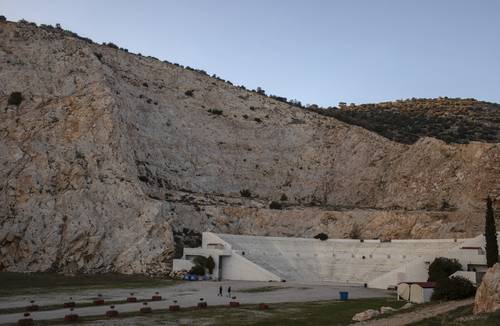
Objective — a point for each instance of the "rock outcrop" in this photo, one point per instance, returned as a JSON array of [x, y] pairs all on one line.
[[365, 315], [488, 294], [110, 155]]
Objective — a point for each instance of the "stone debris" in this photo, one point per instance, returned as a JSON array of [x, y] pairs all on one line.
[[384, 310], [407, 305], [366, 315]]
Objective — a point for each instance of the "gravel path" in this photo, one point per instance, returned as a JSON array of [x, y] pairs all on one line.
[[417, 315], [188, 295]]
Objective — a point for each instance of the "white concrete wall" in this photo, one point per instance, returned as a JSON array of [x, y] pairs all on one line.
[[212, 238], [236, 267], [415, 271]]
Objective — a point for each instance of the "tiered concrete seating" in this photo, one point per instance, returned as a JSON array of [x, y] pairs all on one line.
[[340, 261]]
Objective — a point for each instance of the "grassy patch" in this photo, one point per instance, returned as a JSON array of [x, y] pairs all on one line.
[[262, 289], [461, 316], [311, 313], [35, 283]]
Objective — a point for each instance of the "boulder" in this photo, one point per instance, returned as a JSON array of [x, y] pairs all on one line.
[[488, 293], [365, 315], [407, 305], [384, 310]]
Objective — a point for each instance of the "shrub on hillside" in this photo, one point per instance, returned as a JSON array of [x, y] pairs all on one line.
[[442, 267], [111, 45], [453, 288], [275, 205], [215, 111], [3, 18], [321, 236], [189, 92], [245, 193], [260, 91], [15, 98], [98, 56]]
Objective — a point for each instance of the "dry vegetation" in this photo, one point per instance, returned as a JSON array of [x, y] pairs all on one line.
[[452, 120]]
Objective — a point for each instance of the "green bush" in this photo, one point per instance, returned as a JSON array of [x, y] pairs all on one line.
[[210, 264], [275, 205], [200, 265], [200, 261], [3, 18], [215, 111], [283, 197], [197, 270], [15, 98], [453, 288], [442, 267], [245, 193]]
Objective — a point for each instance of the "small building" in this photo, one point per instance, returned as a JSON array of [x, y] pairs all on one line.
[[416, 292]]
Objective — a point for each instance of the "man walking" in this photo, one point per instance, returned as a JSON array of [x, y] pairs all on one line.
[[220, 291], [229, 291]]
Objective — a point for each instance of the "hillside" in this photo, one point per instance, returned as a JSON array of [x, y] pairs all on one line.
[[406, 121], [111, 161]]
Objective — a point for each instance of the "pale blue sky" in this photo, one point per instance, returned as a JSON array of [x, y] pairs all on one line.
[[315, 51]]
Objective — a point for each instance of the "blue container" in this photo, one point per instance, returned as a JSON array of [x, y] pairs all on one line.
[[344, 296]]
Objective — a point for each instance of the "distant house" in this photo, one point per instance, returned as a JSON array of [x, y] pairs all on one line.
[[416, 292]]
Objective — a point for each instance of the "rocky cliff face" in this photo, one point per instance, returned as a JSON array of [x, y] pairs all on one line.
[[109, 154]]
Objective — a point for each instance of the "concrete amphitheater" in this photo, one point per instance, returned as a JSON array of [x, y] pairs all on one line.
[[371, 263]]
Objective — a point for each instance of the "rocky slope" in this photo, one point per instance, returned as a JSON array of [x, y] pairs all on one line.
[[110, 159]]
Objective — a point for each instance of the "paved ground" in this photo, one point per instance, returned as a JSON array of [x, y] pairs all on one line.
[[187, 294], [417, 315]]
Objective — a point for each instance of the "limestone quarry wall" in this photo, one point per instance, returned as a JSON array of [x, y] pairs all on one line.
[[107, 157]]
